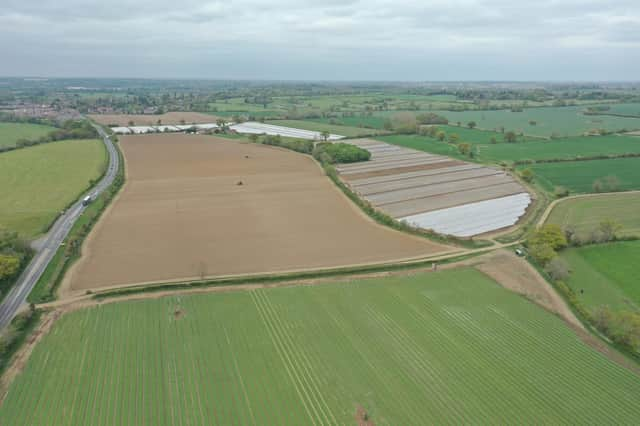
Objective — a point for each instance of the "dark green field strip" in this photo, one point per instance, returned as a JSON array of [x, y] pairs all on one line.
[[451, 347]]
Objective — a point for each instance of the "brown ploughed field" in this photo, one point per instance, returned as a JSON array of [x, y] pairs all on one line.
[[196, 206], [152, 119]]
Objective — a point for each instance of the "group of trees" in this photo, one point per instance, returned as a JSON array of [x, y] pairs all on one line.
[[545, 243], [298, 145], [606, 231], [621, 327], [332, 153], [14, 254]]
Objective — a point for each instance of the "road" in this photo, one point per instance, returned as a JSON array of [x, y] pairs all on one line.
[[52, 240]]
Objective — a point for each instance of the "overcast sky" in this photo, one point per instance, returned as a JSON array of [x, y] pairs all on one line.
[[323, 39]]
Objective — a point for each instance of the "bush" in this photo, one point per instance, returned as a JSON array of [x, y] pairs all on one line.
[[527, 175], [561, 192], [340, 153], [431, 118], [557, 269]]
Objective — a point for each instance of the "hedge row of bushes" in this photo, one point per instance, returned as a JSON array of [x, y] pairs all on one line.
[[298, 145], [327, 152]]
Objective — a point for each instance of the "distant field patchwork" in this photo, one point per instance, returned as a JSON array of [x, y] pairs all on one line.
[[10, 133], [445, 348], [36, 183], [559, 121]]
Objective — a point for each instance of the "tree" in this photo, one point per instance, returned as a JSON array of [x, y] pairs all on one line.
[[557, 269], [472, 124], [9, 266], [454, 138], [542, 253], [464, 148], [441, 136], [551, 235], [602, 318], [510, 137], [527, 175], [431, 118], [222, 124], [611, 183], [597, 186], [609, 228], [493, 139], [253, 137], [324, 135], [404, 122]]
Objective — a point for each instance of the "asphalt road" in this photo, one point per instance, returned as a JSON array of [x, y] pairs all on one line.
[[52, 240]]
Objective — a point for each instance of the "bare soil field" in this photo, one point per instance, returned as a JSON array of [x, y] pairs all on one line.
[[200, 206], [152, 119]]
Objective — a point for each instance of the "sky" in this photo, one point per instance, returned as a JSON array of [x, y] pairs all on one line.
[[399, 40]]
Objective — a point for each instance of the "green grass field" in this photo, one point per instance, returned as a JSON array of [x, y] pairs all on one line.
[[445, 348], [10, 133], [37, 182], [578, 176], [581, 146], [561, 121], [319, 127], [585, 214], [607, 274], [423, 143], [569, 148]]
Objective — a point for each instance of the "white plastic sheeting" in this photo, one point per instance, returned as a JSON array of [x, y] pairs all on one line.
[[252, 127], [475, 218], [166, 128], [141, 129], [121, 130]]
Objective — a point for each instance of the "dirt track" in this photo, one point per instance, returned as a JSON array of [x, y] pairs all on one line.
[[152, 119], [183, 215]]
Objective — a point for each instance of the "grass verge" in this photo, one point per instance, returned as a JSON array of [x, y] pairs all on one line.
[[15, 335]]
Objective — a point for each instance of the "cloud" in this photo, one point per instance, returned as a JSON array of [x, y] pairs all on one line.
[[304, 39]]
